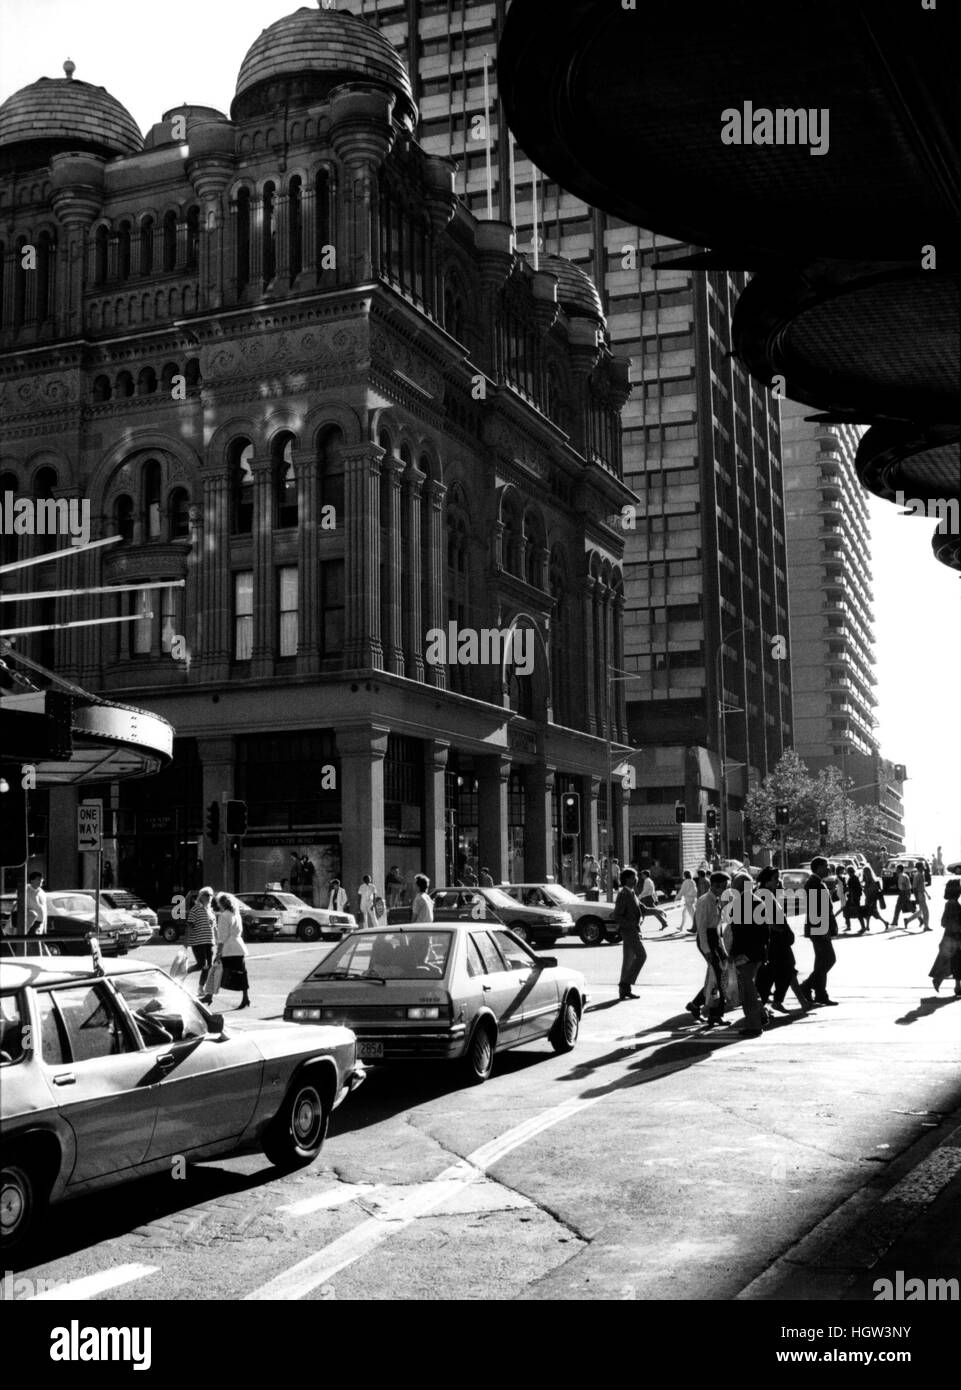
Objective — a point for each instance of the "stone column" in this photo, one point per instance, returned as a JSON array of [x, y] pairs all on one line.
[[215, 609], [76, 198], [435, 810], [362, 749], [538, 822], [363, 647], [590, 656], [281, 282], [262, 663], [621, 688], [308, 565], [493, 773], [413, 561], [392, 628], [436, 558]]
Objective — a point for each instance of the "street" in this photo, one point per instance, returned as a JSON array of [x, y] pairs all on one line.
[[659, 1160]]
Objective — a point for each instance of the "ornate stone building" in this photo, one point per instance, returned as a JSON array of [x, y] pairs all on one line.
[[287, 367]]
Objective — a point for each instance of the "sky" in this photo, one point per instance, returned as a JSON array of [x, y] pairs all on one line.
[[184, 52]]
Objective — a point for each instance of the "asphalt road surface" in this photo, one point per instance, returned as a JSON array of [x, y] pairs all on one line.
[[659, 1160]]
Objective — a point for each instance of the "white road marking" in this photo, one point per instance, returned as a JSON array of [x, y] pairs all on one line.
[[336, 1197], [94, 1284], [307, 1275]]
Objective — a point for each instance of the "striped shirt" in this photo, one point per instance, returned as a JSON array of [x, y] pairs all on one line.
[[201, 926]]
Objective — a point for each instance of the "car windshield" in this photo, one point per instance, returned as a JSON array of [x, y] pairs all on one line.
[[162, 1011], [400, 955], [499, 899], [71, 904], [289, 900], [113, 898]]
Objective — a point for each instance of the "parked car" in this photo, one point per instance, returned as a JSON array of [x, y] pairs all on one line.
[[79, 903], [592, 921], [255, 926], [126, 901], [894, 866], [107, 1076], [66, 936], [458, 992], [541, 926], [293, 917]]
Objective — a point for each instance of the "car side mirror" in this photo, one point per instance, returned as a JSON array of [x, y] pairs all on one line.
[[547, 962], [215, 1023]]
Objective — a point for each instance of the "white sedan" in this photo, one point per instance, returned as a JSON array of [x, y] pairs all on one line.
[[291, 916]]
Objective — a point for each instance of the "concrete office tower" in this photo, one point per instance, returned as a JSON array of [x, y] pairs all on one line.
[[832, 636], [701, 447]]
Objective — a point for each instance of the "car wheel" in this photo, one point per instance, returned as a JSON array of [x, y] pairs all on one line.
[[563, 1036], [169, 931], [308, 931], [479, 1058], [297, 1132], [520, 930], [591, 931], [21, 1203]]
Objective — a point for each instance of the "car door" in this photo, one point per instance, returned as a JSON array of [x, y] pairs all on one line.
[[537, 997], [501, 988], [209, 1083], [105, 1086]]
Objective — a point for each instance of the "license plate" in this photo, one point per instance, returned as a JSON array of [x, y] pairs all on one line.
[[370, 1049]]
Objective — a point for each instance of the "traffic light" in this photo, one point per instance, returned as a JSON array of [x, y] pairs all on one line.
[[213, 822], [235, 819], [709, 845], [710, 818], [823, 829], [782, 815], [900, 773], [680, 813], [571, 813]]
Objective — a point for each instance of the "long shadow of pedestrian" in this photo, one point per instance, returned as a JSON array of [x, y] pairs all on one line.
[[599, 1008], [928, 1007]]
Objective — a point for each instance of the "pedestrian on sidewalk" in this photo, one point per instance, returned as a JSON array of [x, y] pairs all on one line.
[[920, 888], [627, 916], [367, 898], [485, 880], [232, 948], [648, 901], [394, 883], [852, 900], [820, 926], [337, 900], [702, 883], [903, 903], [201, 939], [873, 898], [707, 923], [750, 937], [778, 974], [687, 895], [948, 960], [422, 908]]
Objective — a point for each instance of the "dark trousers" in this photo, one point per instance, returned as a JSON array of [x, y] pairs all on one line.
[[204, 956], [633, 958], [824, 958]]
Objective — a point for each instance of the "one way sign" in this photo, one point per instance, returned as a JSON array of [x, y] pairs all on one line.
[[89, 826]]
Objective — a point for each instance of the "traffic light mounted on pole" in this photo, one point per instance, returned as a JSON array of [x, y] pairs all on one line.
[[680, 813], [823, 833], [213, 822], [710, 818], [235, 818], [571, 813], [782, 815]]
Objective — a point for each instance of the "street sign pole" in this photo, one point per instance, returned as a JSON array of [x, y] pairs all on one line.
[[96, 900]]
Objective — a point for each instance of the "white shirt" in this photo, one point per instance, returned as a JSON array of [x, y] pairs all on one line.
[[687, 892], [36, 909], [648, 890], [230, 933], [422, 908], [337, 901]]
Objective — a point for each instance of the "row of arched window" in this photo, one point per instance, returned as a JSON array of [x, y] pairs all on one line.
[[306, 230], [160, 518], [147, 247], [284, 482], [147, 382], [27, 277]]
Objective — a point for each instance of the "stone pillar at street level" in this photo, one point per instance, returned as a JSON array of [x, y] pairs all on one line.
[[493, 774], [539, 827], [435, 811], [217, 758], [589, 807], [362, 750], [362, 598]]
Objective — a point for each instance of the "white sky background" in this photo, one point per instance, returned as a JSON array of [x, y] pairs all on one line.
[[157, 58]]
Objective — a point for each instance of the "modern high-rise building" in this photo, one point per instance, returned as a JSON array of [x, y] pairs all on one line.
[[705, 567], [832, 638]]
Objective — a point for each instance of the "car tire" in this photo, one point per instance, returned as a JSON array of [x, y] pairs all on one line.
[[296, 1134], [479, 1057], [567, 1025], [308, 931], [23, 1201], [170, 932], [591, 931], [521, 931]]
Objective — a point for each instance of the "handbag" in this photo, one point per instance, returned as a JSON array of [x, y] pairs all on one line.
[[179, 964], [379, 907], [214, 976], [234, 973]]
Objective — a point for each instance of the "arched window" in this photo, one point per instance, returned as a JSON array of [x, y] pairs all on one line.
[[123, 517], [331, 467], [243, 238], [511, 540], [295, 231], [146, 246], [101, 389], [178, 514], [101, 253], [242, 487], [532, 551], [43, 486], [146, 381], [125, 386], [268, 234], [323, 220], [152, 483], [192, 373], [45, 248], [123, 251], [170, 240], [193, 237], [285, 481], [169, 371]]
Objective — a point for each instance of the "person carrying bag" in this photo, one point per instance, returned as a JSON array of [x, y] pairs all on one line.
[[232, 949]]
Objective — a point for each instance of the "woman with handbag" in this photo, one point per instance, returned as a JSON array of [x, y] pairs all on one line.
[[232, 948], [873, 899]]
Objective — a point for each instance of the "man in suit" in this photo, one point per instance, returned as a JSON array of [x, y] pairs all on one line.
[[920, 888], [627, 915], [820, 926]]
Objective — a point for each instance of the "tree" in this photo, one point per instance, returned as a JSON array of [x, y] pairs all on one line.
[[810, 800]]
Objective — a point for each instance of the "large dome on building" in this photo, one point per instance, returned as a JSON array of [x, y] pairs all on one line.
[[307, 53], [59, 113], [576, 292]]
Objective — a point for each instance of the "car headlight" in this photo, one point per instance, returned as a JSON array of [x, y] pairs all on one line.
[[305, 1014]]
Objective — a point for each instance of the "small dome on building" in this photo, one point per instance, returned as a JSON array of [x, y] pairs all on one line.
[[59, 113], [308, 53], [576, 291]]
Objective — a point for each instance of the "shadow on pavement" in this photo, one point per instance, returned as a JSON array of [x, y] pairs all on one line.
[[928, 1007]]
